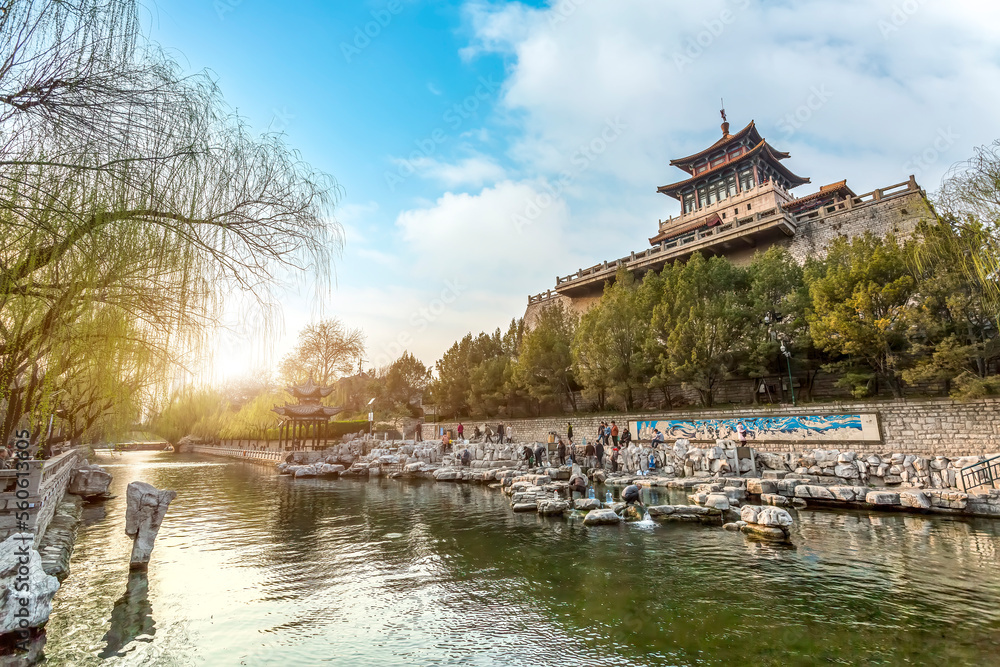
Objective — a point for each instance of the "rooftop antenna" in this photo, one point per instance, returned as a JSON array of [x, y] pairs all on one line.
[[725, 121]]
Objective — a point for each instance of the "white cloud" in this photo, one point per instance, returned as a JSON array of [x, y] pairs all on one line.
[[472, 171], [663, 66]]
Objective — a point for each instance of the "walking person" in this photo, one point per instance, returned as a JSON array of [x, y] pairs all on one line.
[[614, 434], [607, 434], [600, 432], [509, 432], [500, 433], [599, 453], [569, 432], [741, 433], [588, 454], [489, 433], [461, 431]]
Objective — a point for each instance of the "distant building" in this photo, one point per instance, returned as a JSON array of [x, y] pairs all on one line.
[[736, 199]]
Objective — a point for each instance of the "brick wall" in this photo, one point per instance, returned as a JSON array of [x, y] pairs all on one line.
[[927, 428]]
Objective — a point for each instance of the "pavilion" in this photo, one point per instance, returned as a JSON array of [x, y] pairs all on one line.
[[308, 419]]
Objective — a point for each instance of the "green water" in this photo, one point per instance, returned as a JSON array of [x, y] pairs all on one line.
[[255, 569]]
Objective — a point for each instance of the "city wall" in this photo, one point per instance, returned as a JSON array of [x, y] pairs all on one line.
[[925, 428]]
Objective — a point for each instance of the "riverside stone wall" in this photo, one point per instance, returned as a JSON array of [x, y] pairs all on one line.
[[923, 428]]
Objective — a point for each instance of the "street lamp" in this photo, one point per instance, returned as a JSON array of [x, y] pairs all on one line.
[[371, 419], [788, 360]]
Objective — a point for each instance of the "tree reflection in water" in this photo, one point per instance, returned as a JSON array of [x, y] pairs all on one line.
[[131, 618]]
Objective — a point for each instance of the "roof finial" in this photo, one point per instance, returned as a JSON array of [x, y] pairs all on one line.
[[725, 121]]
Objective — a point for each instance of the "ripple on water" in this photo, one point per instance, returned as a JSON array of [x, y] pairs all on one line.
[[255, 569]]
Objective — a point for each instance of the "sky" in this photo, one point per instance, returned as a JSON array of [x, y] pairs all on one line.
[[483, 148]]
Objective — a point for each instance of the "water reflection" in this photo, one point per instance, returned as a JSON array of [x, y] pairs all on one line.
[[250, 567], [131, 618]]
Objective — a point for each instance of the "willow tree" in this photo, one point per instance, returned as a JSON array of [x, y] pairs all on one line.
[[130, 191]]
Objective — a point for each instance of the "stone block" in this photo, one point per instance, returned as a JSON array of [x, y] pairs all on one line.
[[717, 501], [882, 498], [811, 491], [774, 499], [602, 517], [761, 486], [849, 494], [914, 499]]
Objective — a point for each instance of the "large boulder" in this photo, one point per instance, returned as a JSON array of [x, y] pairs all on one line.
[[914, 499], [26, 592], [717, 501], [586, 504], [89, 481], [145, 508], [552, 507], [812, 491], [602, 517], [886, 498], [759, 487]]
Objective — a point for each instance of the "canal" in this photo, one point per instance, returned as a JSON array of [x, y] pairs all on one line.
[[255, 569]]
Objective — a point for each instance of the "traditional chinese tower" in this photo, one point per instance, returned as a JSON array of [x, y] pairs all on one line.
[[738, 175], [308, 421], [735, 200]]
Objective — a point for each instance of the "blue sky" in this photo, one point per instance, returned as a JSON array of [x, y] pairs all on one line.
[[485, 147]]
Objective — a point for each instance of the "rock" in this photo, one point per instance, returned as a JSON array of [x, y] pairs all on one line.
[[717, 501], [773, 516], [681, 448], [328, 470], [774, 499], [765, 532], [146, 507], [603, 517], [735, 494], [525, 507], [846, 457], [849, 494], [586, 504], [631, 513], [847, 471], [882, 498], [89, 481], [749, 513], [759, 487], [552, 507], [598, 476], [22, 579], [914, 499], [732, 527], [813, 491], [304, 471], [953, 500]]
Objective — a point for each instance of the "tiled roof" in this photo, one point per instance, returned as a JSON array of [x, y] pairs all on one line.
[[684, 162], [762, 147], [838, 188]]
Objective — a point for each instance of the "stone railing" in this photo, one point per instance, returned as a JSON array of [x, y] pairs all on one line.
[[543, 297], [860, 201], [242, 454], [45, 487]]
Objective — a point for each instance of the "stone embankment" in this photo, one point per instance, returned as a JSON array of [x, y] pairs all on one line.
[[718, 478]]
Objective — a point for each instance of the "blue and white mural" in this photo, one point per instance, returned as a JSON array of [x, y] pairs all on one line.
[[766, 429]]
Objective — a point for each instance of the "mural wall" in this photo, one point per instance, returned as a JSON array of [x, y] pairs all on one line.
[[818, 428]]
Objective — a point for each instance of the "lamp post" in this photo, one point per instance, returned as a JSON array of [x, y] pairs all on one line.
[[788, 360], [371, 419]]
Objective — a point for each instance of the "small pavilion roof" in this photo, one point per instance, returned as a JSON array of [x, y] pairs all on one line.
[[763, 149], [686, 163], [838, 190], [307, 411], [310, 390]]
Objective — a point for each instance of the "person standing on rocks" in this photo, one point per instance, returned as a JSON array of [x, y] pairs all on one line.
[[569, 432], [461, 431], [509, 432], [614, 434], [741, 433], [500, 433], [599, 453], [615, 454], [561, 452], [488, 433], [539, 454], [600, 432], [588, 454]]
